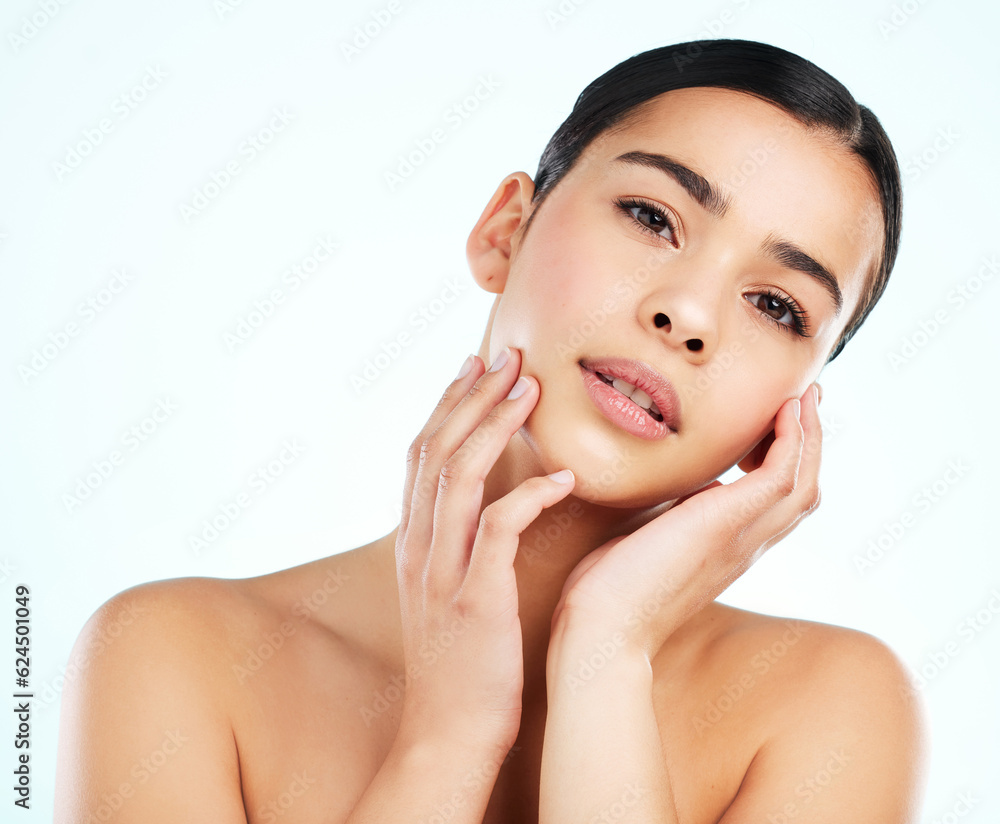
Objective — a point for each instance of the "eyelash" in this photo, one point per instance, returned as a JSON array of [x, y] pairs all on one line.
[[626, 204], [800, 318], [800, 322]]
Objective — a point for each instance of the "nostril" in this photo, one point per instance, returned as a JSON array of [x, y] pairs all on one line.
[[661, 320], [695, 345]]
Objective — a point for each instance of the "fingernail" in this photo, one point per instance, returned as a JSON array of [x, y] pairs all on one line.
[[819, 393], [563, 476], [797, 408], [466, 367], [502, 358], [518, 388]]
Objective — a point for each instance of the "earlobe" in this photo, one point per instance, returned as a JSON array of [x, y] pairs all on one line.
[[492, 241]]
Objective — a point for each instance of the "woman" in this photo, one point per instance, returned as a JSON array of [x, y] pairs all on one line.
[[538, 638]]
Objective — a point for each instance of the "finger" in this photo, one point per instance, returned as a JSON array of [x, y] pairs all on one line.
[[777, 476], [803, 498], [500, 526], [683, 498], [437, 448], [458, 504], [452, 396], [807, 488], [738, 507]]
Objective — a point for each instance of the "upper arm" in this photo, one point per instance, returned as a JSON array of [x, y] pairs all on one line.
[[849, 743], [143, 734]]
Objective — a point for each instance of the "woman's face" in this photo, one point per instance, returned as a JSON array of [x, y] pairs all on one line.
[[714, 305]]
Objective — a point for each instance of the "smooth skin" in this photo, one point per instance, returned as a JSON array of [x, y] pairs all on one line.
[[447, 673]]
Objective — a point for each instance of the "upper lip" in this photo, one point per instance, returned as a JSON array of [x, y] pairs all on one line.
[[641, 374]]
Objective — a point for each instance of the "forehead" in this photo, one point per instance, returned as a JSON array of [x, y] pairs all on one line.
[[780, 177]]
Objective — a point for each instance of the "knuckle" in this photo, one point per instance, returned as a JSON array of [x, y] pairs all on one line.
[[494, 520], [784, 483], [414, 451], [813, 496], [452, 472], [476, 390], [429, 448], [409, 569], [439, 589], [424, 491], [486, 430]]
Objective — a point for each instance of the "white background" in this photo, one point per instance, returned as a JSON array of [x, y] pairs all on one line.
[[926, 69]]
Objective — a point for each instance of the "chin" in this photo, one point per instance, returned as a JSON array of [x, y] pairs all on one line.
[[608, 470]]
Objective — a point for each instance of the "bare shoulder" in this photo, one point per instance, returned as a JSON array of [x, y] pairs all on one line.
[[219, 631], [176, 620], [170, 629], [842, 667], [189, 618], [844, 733], [177, 711], [143, 713]]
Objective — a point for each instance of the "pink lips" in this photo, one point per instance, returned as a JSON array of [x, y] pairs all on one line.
[[624, 412]]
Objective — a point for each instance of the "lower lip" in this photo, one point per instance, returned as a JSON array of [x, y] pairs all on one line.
[[622, 411]]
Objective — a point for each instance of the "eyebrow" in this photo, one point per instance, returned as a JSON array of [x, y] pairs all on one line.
[[707, 195], [711, 198], [791, 256]]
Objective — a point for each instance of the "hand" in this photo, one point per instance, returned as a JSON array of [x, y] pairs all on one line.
[[455, 568], [648, 583]]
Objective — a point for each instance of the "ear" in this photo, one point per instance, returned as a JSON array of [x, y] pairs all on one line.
[[755, 457], [492, 241]]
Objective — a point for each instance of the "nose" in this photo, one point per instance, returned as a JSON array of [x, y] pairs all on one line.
[[685, 300], [686, 323], [692, 344]]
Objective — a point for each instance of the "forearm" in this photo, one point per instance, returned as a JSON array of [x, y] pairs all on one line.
[[424, 779], [602, 759]]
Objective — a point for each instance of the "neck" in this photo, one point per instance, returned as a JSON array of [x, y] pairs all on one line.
[[549, 549]]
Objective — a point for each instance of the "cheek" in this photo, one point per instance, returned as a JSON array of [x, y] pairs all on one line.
[[565, 283], [739, 406]]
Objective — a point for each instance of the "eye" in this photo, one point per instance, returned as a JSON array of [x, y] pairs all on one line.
[[649, 216], [781, 310]]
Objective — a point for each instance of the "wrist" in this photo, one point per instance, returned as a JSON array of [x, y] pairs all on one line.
[[641, 632], [453, 737], [584, 655], [444, 766]]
